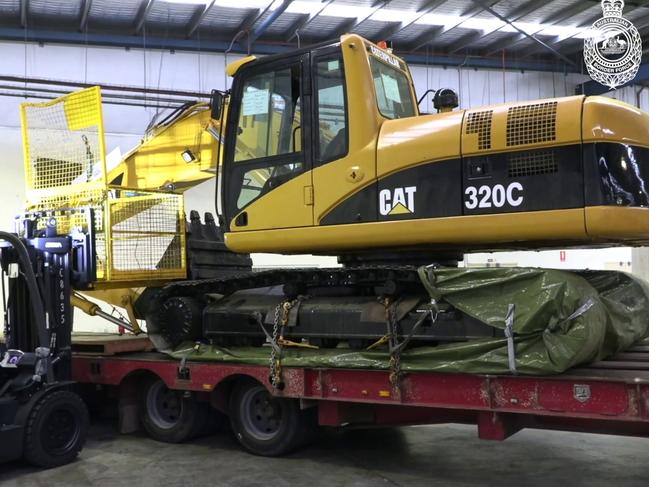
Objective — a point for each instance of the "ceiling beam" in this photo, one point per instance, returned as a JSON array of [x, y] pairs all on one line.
[[556, 42], [467, 14], [467, 40], [587, 23], [553, 19], [515, 15], [302, 24], [85, 10], [391, 31], [252, 18], [24, 12], [73, 37], [531, 36], [140, 20], [199, 17], [426, 38], [641, 25], [268, 21], [296, 26], [376, 6]]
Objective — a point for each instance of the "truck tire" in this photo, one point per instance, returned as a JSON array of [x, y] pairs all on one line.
[[56, 429], [171, 416], [266, 425]]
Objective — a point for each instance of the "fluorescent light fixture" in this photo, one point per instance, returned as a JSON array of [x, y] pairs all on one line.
[[347, 11], [482, 24], [437, 19], [334, 9], [301, 7], [188, 2], [591, 34], [527, 27], [242, 3], [387, 15], [561, 31]]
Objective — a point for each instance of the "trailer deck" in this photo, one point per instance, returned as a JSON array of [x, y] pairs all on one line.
[[610, 396]]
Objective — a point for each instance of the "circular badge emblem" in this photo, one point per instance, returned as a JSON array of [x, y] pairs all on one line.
[[613, 52]]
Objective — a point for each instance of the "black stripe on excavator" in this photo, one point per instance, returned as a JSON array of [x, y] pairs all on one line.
[[619, 175], [552, 178]]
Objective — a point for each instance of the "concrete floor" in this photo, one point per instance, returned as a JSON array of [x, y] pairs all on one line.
[[410, 456]]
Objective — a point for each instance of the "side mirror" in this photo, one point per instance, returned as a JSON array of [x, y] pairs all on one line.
[[216, 103]]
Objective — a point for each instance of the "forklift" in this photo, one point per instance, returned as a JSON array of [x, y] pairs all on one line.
[[42, 418]]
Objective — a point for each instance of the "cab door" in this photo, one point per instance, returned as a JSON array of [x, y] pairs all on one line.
[[268, 158], [346, 125]]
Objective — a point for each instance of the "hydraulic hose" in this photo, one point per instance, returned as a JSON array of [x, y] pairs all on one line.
[[32, 285], [92, 309]]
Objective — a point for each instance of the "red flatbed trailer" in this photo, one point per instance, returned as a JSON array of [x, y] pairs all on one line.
[[611, 396]]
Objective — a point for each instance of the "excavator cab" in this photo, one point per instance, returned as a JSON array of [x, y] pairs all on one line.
[[326, 152], [308, 120]]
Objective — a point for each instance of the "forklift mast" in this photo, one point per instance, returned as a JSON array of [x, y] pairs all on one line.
[[59, 264]]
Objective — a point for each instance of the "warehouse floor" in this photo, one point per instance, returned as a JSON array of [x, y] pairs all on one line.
[[410, 456]]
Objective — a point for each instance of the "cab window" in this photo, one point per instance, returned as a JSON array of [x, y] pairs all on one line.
[[393, 93], [331, 116], [268, 150]]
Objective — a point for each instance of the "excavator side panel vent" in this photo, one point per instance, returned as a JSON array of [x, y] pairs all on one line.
[[480, 123], [531, 163], [532, 124]]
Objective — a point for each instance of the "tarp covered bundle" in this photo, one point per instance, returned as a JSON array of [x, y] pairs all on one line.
[[560, 320]]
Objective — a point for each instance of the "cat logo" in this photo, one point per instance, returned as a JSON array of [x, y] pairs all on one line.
[[397, 201]]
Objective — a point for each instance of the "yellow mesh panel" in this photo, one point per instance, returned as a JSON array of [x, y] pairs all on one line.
[[147, 237], [63, 143], [138, 236]]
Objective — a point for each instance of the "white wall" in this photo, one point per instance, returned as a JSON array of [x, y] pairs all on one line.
[[485, 87], [203, 72]]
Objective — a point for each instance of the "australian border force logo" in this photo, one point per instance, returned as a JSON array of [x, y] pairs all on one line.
[[613, 51]]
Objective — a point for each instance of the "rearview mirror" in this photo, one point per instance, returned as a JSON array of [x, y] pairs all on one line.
[[216, 102]]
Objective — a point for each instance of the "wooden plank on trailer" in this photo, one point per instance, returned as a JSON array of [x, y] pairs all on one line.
[[109, 343]]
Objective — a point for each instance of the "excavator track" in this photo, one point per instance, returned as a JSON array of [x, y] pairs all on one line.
[[331, 304], [362, 276]]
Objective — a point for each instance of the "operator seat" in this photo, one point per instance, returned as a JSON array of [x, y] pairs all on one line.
[[336, 147]]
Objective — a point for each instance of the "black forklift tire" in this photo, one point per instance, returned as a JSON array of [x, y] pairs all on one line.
[[266, 425], [56, 429], [172, 416]]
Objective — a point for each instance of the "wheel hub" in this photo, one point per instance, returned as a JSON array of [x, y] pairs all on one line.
[[60, 432], [163, 406], [261, 414]]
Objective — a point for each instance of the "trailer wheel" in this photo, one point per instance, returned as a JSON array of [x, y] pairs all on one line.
[[56, 429], [171, 416], [267, 425]]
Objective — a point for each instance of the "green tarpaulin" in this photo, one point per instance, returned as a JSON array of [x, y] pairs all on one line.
[[561, 319]]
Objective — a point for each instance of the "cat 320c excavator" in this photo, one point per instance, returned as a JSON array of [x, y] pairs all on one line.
[[323, 150]]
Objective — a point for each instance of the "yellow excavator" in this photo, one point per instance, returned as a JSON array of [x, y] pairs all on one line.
[[556, 172], [324, 150]]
